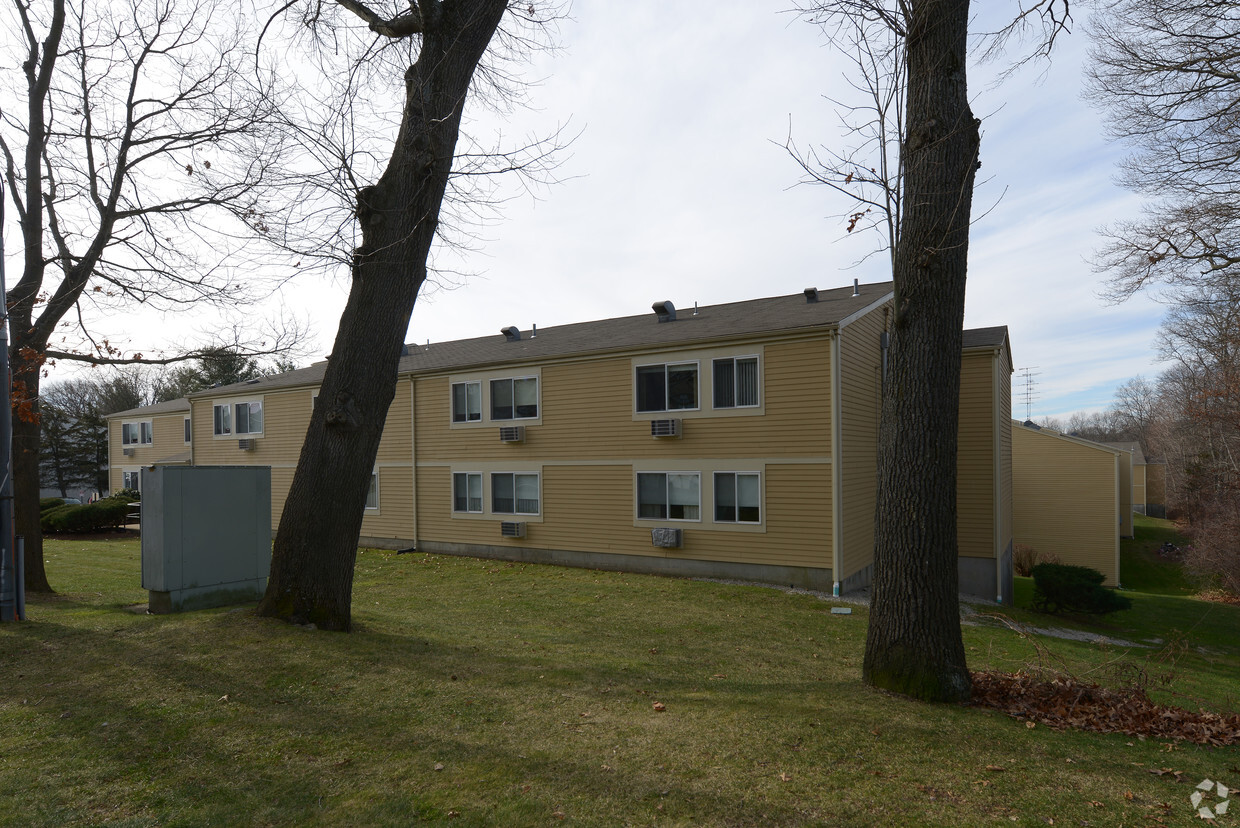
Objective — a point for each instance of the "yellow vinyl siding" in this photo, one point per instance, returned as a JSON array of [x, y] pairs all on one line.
[[167, 440], [1003, 384], [860, 390], [394, 517], [1125, 494], [1066, 498], [589, 508], [396, 445], [586, 412], [1138, 485], [975, 460]]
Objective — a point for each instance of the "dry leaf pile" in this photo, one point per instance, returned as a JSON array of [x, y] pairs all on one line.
[[1065, 702]]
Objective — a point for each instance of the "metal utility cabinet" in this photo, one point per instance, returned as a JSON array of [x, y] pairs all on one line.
[[206, 535]]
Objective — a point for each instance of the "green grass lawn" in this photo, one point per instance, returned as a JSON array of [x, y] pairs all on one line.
[[486, 693], [1142, 568]]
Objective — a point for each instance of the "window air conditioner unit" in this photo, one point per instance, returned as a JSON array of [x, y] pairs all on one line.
[[665, 428], [246, 445], [508, 529], [130, 452], [512, 434], [667, 538]]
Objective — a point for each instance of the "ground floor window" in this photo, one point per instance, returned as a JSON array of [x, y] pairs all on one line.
[[737, 498], [372, 494], [129, 480], [514, 494], [467, 492], [669, 496]]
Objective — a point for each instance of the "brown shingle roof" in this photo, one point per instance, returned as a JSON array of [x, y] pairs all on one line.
[[710, 323]]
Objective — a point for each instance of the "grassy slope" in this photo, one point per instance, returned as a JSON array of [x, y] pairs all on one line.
[[1141, 567], [533, 688]]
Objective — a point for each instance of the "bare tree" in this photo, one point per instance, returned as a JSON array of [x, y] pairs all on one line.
[[914, 645], [137, 169], [434, 49], [1166, 74]]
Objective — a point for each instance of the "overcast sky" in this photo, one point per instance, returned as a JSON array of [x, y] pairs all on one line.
[[679, 188]]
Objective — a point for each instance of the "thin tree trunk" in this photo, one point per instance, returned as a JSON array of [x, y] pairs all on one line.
[[914, 644], [316, 542]]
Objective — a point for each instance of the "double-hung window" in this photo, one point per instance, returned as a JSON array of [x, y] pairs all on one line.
[[738, 497], [514, 399], [130, 480], [736, 382], [514, 494], [467, 492], [466, 402], [668, 496], [670, 387]]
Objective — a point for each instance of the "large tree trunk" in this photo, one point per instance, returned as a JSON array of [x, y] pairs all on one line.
[[316, 543], [914, 645], [26, 438]]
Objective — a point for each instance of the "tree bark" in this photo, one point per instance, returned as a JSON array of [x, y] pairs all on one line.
[[914, 644], [26, 438], [316, 543]]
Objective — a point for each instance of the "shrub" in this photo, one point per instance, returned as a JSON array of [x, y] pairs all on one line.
[[127, 495], [46, 503], [1025, 558], [91, 517], [1063, 588]]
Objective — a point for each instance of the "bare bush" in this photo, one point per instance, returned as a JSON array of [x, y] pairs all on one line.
[[1214, 555], [1025, 558]]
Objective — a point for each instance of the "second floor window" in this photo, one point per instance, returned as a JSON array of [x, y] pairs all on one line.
[[247, 417], [514, 399], [736, 382], [466, 402], [133, 434], [671, 387]]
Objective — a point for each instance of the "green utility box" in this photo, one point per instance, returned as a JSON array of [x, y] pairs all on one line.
[[206, 535]]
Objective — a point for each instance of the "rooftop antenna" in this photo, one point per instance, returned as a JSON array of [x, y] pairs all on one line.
[[1030, 393]]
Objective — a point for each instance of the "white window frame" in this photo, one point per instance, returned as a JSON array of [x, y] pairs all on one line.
[[735, 475], [374, 489], [465, 384], [667, 366], [481, 493], [714, 392], [515, 500], [133, 432], [667, 497], [512, 384], [189, 431], [136, 479], [227, 416]]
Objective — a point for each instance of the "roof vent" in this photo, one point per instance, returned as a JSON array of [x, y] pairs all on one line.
[[856, 287], [665, 310], [811, 295], [512, 333]]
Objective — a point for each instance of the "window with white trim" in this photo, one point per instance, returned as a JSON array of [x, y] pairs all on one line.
[[467, 492], [130, 480], [466, 402], [514, 494], [738, 497], [238, 418], [189, 430], [372, 494], [736, 382], [140, 433], [668, 387], [669, 496], [514, 398]]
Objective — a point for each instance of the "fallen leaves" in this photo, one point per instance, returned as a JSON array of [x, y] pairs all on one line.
[[1062, 703], [659, 707]]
